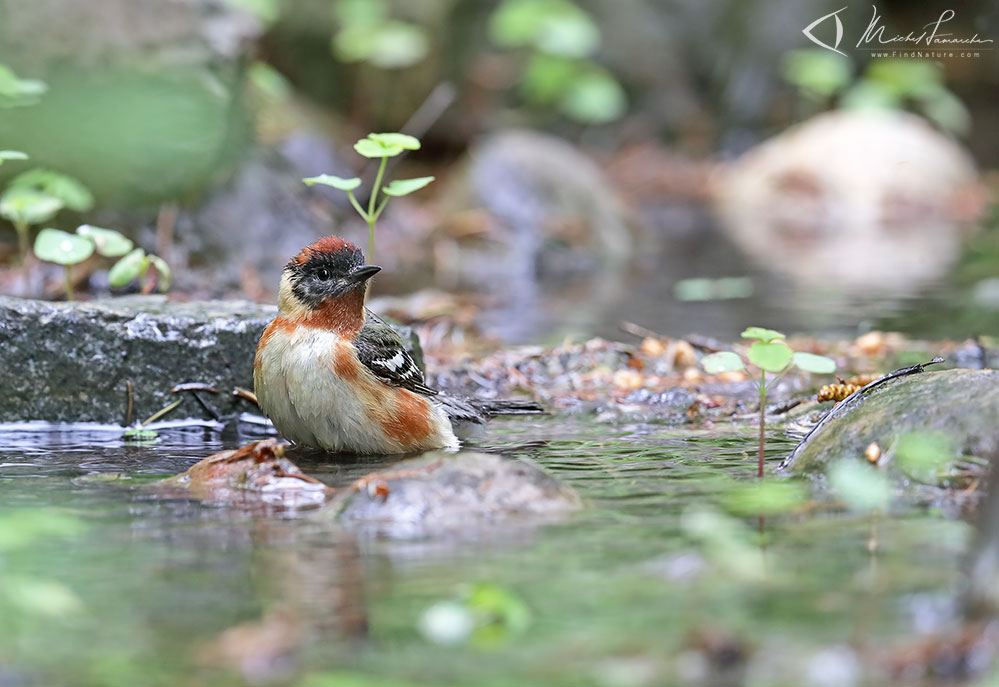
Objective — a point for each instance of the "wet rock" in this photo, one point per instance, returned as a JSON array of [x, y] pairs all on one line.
[[257, 473], [69, 362], [443, 493], [530, 214], [860, 199], [962, 403]]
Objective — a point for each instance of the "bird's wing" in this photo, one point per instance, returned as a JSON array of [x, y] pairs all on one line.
[[382, 351]]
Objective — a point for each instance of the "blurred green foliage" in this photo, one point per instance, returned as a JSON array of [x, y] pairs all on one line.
[[16, 92], [368, 34], [824, 77], [560, 39]]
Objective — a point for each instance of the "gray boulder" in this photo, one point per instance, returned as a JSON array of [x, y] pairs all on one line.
[[69, 362], [962, 403]]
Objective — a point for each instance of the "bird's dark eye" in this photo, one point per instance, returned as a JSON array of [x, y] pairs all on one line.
[[323, 274]]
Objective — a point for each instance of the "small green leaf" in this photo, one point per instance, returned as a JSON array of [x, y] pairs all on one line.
[[765, 498], [163, 269], [397, 45], [405, 141], [594, 97], [924, 455], [23, 205], [60, 247], [130, 267], [860, 486], [71, 192], [772, 357], [371, 148], [403, 187], [12, 155], [334, 181], [762, 334], [724, 361], [817, 364], [110, 243], [138, 434]]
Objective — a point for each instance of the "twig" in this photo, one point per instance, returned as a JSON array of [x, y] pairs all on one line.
[[160, 413], [128, 408]]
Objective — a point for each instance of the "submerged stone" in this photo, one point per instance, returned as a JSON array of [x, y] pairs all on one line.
[[964, 404], [443, 493], [437, 493]]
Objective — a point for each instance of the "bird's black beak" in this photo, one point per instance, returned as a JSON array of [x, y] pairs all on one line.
[[364, 273]]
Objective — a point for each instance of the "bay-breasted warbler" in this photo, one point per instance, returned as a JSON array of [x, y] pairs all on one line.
[[330, 373]]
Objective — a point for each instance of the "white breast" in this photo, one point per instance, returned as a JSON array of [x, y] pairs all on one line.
[[309, 404]]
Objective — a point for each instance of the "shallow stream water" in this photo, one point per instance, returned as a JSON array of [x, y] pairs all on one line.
[[659, 579]]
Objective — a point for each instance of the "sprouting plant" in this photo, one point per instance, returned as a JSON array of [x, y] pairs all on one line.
[[381, 147], [36, 196], [63, 249], [135, 265], [68, 190], [68, 249], [24, 207], [770, 354]]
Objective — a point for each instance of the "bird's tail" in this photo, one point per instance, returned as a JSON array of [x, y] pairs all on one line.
[[477, 410], [490, 407]]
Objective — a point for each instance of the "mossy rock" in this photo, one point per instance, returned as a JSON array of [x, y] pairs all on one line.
[[961, 403]]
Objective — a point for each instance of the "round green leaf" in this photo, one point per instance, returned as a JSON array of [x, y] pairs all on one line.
[[724, 361], [403, 187], [71, 192], [24, 205], [861, 487], [334, 181], [368, 147], [397, 45], [819, 364], [569, 32], [163, 269], [130, 267], [772, 357], [594, 97], [404, 141], [764, 335], [12, 155], [109, 242], [60, 247]]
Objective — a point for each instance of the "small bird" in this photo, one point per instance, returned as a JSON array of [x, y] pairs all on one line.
[[331, 374]]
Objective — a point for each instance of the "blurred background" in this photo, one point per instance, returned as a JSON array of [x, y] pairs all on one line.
[[687, 166]]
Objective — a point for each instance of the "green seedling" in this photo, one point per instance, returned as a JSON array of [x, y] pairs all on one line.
[[135, 265], [67, 249], [24, 207], [381, 147], [62, 248], [68, 190], [769, 354]]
